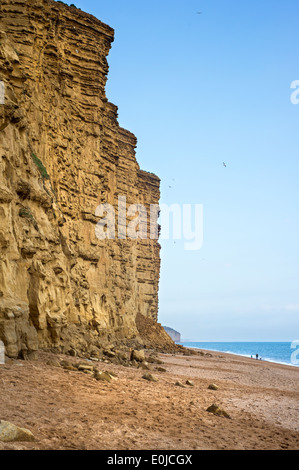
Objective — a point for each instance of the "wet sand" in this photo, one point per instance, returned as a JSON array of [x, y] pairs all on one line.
[[68, 410]]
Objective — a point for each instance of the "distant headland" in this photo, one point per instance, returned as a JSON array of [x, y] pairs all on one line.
[[174, 335]]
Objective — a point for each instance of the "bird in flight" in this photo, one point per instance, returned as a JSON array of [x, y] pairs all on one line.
[[224, 164]]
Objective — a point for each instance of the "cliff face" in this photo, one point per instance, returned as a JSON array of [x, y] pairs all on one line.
[[62, 154], [174, 335]]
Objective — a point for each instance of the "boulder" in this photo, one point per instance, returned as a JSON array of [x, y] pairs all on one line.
[[103, 376], [179, 384], [217, 411], [53, 363], [150, 377], [67, 365], [11, 433], [145, 366], [190, 383], [85, 367], [213, 387], [138, 356]]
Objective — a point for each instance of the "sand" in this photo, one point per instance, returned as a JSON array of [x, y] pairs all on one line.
[[68, 410]]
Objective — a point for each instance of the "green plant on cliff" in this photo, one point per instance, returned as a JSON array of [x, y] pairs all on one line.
[[44, 173], [40, 166], [26, 213]]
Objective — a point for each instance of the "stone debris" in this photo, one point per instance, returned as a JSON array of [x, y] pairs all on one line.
[[109, 353]]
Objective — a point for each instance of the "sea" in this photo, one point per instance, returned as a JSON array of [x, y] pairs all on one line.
[[282, 353]]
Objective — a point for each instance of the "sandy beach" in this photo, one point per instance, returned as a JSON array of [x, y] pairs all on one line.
[[68, 409]]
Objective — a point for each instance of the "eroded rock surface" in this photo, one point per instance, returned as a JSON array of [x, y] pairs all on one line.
[[62, 154]]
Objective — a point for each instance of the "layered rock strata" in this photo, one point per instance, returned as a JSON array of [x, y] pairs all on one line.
[[62, 154]]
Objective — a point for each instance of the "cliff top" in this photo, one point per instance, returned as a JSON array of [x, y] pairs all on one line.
[[71, 11]]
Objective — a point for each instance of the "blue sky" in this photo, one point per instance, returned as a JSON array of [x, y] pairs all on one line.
[[198, 90]]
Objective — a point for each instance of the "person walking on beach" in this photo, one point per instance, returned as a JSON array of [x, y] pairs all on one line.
[[256, 356]]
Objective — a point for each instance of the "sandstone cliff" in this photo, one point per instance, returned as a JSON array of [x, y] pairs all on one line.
[[62, 153]]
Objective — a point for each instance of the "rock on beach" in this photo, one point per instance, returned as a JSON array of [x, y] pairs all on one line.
[[11, 433]]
